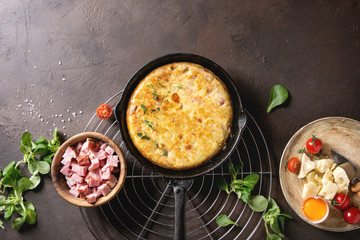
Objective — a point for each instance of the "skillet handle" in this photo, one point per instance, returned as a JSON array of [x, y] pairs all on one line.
[[179, 193]]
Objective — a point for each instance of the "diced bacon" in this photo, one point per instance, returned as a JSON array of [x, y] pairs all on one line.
[[106, 167], [95, 163], [80, 170], [88, 168], [112, 181], [83, 188], [83, 160], [109, 150], [82, 154], [93, 178], [92, 154], [105, 175], [132, 110], [101, 154], [102, 162], [77, 178], [222, 101], [91, 198], [85, 147], [103, 146], [74, 192], [65, 170], [93, 145], [69, 181], [66, 161], [78, 146], [70, 151], [113, 160], [104, 189], [96, 191]]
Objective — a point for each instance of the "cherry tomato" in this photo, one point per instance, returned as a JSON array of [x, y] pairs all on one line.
[[352, 215], [341, 201], [313, 145], [293, 165], [104, 111]]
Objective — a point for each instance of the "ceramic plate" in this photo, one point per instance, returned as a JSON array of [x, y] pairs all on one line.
[[337, 133]]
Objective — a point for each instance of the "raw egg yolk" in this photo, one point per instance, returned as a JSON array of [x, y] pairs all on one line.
[[315, 209]]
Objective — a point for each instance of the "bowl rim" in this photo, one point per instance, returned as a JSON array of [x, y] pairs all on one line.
[[59, 180]]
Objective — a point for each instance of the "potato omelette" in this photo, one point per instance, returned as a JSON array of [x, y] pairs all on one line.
[[179, 116]]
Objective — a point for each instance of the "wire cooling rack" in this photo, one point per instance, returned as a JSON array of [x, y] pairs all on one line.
[[145, 207]]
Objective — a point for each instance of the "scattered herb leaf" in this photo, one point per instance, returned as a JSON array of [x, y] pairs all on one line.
[[38, 156], [278, 95], [139, 134], [143, 107], [165, 153], [223, 221], [146, 137]]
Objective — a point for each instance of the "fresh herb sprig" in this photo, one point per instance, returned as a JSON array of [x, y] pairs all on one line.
[[242, 187], [38, 156], [276, 220]]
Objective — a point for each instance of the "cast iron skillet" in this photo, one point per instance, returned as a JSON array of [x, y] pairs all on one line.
[[182, 179]]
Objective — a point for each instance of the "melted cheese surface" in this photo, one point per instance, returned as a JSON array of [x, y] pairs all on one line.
[[179, 116]]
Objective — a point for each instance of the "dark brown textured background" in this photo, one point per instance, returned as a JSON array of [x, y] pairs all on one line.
[[311, 47]]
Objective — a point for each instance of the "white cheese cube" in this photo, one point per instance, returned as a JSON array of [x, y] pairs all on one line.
[[323, 164], [310, 189], [306, 166], [328, 190]]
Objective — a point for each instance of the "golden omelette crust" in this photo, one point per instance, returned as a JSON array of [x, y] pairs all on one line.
[[179, 116]]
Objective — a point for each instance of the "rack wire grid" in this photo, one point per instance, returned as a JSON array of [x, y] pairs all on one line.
[[145, 206]]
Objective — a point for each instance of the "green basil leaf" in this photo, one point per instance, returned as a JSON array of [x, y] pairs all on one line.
[[41, 149], [48, 158], [19, 210], [1, 225], [42, 141], [32, 166], [258, 203], [272, 236], [30, 216], [35, 181], [3, 200], [22, 185], [232, 171], [43, 167], [281, 220], [26, 143], [10, 209], [223, 221], [273, 207], [29, 205], [278, 95], [251, 180], [1, 174], [7, 168], [18, 222], [274, 225], [286, 215], [245, 194], [222, 185]]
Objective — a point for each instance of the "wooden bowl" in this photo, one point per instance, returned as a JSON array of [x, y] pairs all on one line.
[[59, 179], [338, 133]]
